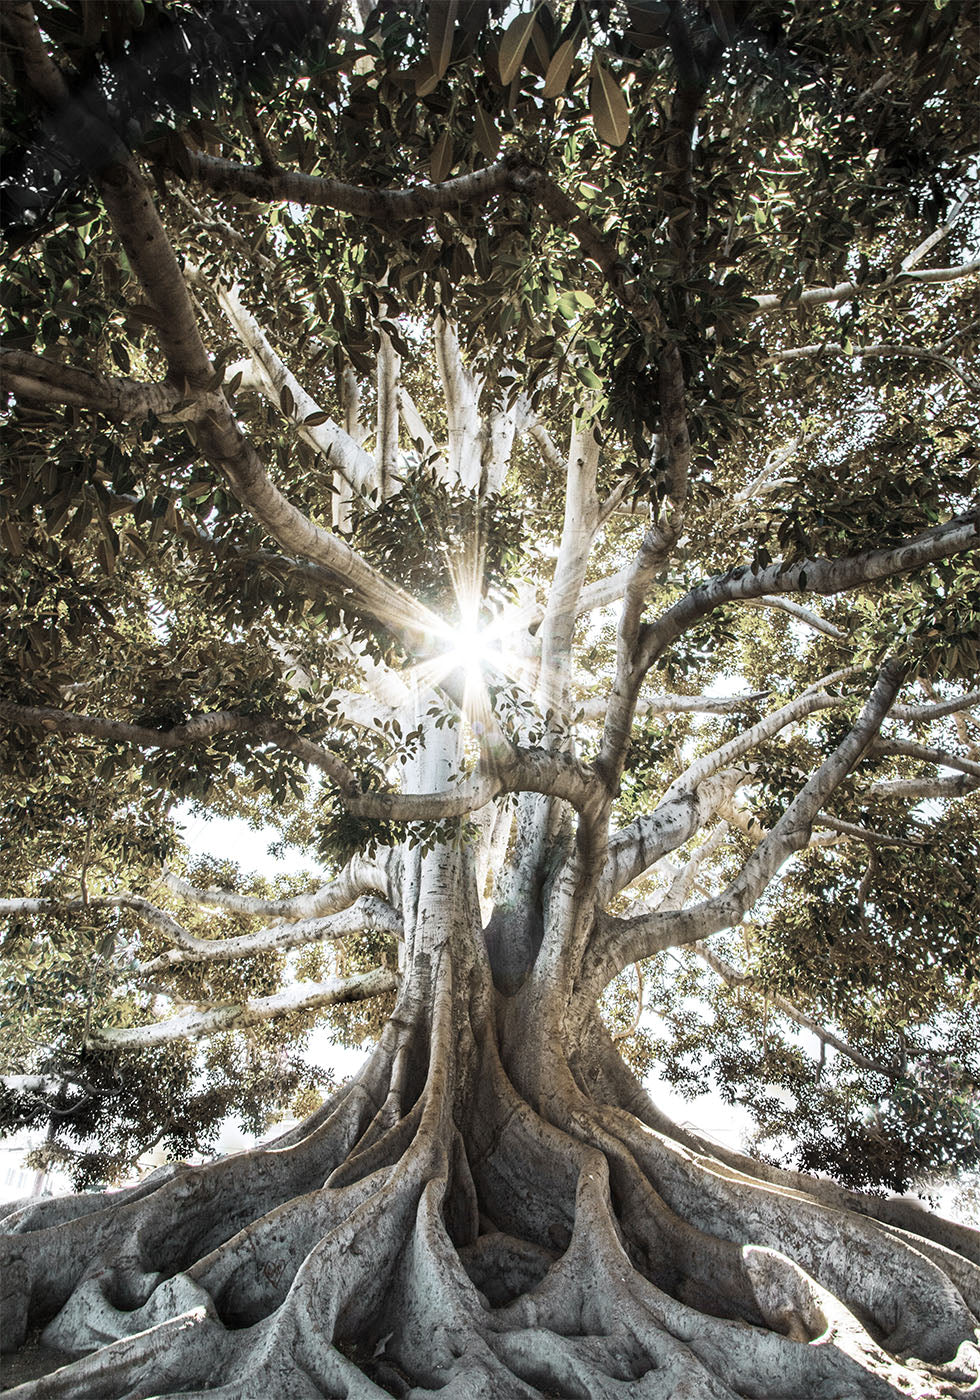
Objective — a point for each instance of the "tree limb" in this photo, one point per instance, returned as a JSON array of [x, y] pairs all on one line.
[[845, 291], [824, 576], [380, 206], [619, 942], [734, 978], [359, 877], [368, 915], [42, 380], [304, 996]]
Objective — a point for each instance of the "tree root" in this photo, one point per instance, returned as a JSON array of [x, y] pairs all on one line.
[[434, 1230]]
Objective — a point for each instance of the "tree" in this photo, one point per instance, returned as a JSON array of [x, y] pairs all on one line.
[[410, 435]]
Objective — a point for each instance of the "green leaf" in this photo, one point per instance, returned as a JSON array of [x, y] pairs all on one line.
[[313, 420], [487, 134], [286, 401], [513, 45], [560, 67], [610, 113], [441, 159], [442, 20]]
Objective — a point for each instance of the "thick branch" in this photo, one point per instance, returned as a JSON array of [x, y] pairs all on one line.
[[923, 714], [628, 940], [824, 576], [41, 380], [368, 915], [927, 754], [655, 834], [359, 877], [144, 238], [380, 206], [305, 996]]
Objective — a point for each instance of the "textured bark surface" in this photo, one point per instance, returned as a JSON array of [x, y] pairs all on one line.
[[488, 1210]]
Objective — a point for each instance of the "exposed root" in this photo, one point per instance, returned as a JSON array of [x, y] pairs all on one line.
[[436, 1231]]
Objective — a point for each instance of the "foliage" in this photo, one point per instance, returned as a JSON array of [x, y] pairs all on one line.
[[139, 585]]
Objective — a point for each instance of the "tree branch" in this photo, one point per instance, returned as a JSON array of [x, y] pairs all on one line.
[[368, 915], [152, 258], [824, 576], [926, 754], [359, 877], [734, 978], [379, 206], [883, 351], [304, 996], [923, 714], [845, 291], [617, 943], [200, 729], [42, 380], [157, 918]]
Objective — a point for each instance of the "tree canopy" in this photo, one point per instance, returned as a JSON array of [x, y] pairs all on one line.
[[526, 460]]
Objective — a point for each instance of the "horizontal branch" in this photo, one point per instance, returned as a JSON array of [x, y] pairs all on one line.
[[846, 291], [368, 915], [915, 714], [380, 206], [304, 996], [681, 704], [927, 754], [923, 789], [200, 729], [879, 351], [358, 877], [38, 379], [150, 913], [824, 576], [734, 978]]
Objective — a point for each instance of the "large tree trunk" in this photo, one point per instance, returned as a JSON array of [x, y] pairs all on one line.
[[489, 1209]]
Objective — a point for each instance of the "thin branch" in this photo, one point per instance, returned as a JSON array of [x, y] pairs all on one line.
[[802, 614], [766, 728], [845, 291], [304, 996], [880, 351], [681, 704], [200, 729], [734, 978], [148, 912]]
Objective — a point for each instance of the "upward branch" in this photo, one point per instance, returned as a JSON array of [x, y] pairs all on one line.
[[619, 942]]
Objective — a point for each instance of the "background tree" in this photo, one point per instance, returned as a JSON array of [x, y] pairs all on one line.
[[529, 462]]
